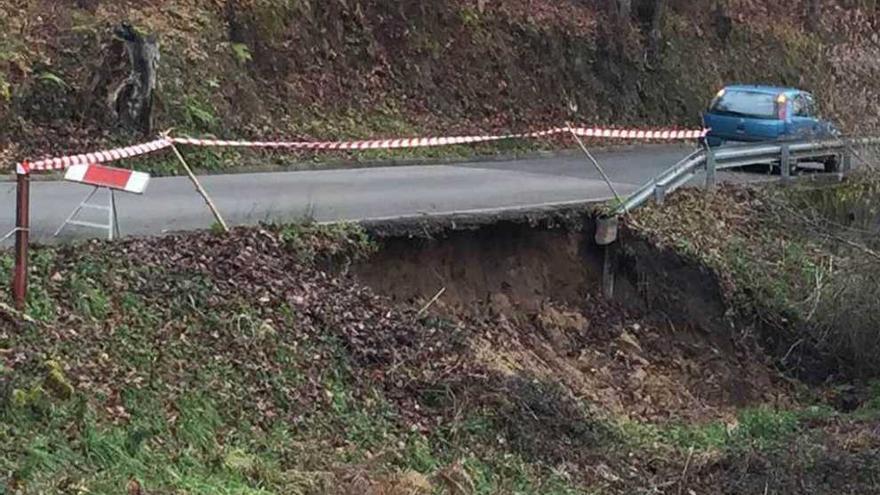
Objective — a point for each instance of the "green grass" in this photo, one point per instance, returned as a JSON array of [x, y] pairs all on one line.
[[757, 428], [308, 240], [870, 409], [194, 447], [180, 414], [193, 453]]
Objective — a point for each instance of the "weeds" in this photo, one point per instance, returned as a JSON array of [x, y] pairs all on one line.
[[240, 367], [40, 303], [759, 429], [339, 241], [797, 261], [172, 384], [241, 52], [199, 115]]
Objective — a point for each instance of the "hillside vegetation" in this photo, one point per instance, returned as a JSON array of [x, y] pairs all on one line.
[[798, 266], [253, 363], [368, 68]]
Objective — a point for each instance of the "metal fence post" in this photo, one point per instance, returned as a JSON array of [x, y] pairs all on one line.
[[711, 169], [785, 164], [22, 225], [846, 159], [609, 262], [606, 238], [660, 193]]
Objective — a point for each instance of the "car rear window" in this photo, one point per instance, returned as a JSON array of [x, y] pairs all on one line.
[[746, 104]]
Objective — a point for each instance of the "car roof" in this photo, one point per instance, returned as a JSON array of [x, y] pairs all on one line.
[[774, 90]]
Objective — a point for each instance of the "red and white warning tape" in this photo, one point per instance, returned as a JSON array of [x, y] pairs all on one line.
[[66, 162], [664, 135], [445, 141], [383, 144]]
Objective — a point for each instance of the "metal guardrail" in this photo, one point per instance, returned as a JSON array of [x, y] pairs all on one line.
[[712, 160]]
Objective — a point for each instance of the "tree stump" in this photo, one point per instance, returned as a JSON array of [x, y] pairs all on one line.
[[132, 101]]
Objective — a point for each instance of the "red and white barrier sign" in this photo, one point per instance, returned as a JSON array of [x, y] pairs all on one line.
[[110, 177]]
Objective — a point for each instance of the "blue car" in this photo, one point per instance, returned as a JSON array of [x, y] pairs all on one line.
[[766, 113]]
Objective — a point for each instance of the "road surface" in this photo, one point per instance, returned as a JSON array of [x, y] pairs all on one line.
[[171, 203]]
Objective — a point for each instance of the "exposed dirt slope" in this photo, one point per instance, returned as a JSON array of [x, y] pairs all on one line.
[[532, 290], [799, 264]]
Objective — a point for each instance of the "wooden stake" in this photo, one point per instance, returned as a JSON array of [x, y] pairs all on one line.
[[595, 163], [434, 299], [200, 189]]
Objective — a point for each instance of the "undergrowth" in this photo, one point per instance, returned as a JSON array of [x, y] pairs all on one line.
[[220, 363], [800, 261], [170, 384], [322, 71]]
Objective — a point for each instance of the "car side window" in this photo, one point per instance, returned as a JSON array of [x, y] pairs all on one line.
[[804, 106], [812, 110], [798, 107]]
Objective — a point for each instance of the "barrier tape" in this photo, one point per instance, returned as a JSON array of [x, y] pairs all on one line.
[[66, 162], [663, 135], [667, 135], [363, 145]]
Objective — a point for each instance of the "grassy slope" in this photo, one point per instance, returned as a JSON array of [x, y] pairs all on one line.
[[328, 70], [209, 364], [800, 263]]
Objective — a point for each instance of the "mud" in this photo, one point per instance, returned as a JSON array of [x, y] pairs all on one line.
[[521, 264], [662, 351]]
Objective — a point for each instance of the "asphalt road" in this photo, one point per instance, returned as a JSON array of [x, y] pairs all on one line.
[[171, 204]]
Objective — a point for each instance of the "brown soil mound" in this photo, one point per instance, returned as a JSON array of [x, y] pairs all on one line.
[[530, 291]]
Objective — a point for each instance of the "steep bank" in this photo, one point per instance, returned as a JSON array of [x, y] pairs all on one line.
[[796, 268], [370, 68], [303, 359]]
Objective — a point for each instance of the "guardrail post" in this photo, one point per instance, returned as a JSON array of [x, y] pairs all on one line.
[[22, 226], [660, 193], [606, 239], [846, 159], [711, 169], [785, 164], [609, 262]]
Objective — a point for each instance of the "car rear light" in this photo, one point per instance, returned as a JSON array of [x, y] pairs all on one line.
[[782, 107]]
